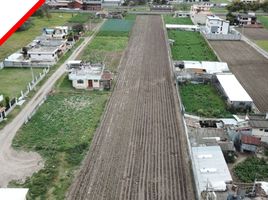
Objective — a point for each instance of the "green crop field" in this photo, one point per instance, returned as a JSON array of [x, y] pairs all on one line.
[[116, 27], [68, 119], [20, 39], [264, 21], [14, 80], [252, 168], [190, 46], [169, 19], [203, 100]]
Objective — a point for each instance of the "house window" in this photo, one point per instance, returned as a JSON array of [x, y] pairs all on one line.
[[95, 81], [242, 103], [265, 130], [80, 82], [261, 129]]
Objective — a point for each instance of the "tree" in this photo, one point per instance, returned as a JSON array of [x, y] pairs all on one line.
[[78, 28], [264, 6], [7, 100]]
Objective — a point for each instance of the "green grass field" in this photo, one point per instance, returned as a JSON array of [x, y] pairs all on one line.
[[60, 142], [264, 21], [169, 19], [13, 80], [83, 18], [190, 46], [252, 168], [20, 39], [116, 28], [203, 100], [263, 44], [107, 50], [219, 10]]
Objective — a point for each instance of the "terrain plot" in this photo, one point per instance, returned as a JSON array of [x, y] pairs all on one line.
[[250, 68], [139, 150]]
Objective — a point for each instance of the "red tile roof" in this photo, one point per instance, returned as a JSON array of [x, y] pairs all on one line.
[[248, 139]]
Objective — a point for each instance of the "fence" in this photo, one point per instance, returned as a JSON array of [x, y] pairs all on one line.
[[233, 35], [26, 64], [31, 85]]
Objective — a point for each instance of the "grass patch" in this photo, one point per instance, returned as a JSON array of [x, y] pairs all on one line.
[[169, 19], [81, 18], [15, 42], [263, 44], [116, 28], [60, 142], [203, 100], [252, 168], [219, 10], [130, 17], [107, 50], [264, 21], [15, 80], [190, 46]]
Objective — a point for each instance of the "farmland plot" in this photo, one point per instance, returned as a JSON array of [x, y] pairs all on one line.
[[60, 142], [249, 67], [139, 151]]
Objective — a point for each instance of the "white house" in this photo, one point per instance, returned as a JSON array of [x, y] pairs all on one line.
[[58, 32], [259, 124], [112, 3], [236, 95], [89, 76], [44, 54], [217, 25]]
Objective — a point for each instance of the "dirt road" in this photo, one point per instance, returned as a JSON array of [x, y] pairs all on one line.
[[249, 66], [139, 150], [17, 165]]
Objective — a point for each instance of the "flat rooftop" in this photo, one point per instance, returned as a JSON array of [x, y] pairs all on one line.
[[210, 167], [232, 88]]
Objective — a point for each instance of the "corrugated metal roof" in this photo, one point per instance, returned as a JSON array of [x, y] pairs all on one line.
[[210, 166], [233, 89], [248, 139]]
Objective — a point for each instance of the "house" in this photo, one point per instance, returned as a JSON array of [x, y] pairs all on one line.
[[58, 32], [44, 54], [75, 4], [246, 19], [89, 76], [94, 5], [111, 3], [210, 169], [199, 13], [13, 193], [249, 143], [233, 91], [217, 25], [258, 124], [58, 4]]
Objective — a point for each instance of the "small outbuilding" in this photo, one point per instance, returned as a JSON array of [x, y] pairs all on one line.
[[249, 143], [233, 91], [211, 172]]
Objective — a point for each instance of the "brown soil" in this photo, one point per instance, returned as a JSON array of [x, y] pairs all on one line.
[[139, 150], [249, 67]]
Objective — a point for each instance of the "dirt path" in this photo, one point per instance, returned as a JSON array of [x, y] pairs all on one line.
[[16, 165], [139, 150], [249, 67]]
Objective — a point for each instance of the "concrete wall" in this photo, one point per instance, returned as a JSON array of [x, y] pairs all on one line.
[[44, 57], [83, 85]]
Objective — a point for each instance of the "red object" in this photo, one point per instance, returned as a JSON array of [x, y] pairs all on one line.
[[247, 139], [21, 21]]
